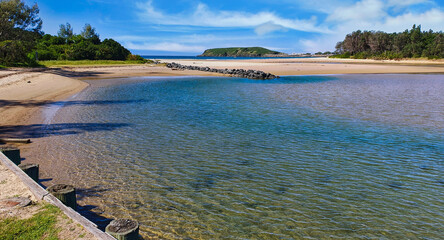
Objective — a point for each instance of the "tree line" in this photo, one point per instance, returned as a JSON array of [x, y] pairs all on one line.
[[412, 43], [22, 41]]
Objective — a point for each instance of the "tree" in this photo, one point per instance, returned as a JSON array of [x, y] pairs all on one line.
[[112, 50], [88, 31], [65, 31], [407, 44], [20, 26], [90, 34]]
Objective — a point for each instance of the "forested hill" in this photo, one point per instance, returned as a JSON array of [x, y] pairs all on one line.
[[240, 52], [412, 43], [22, 42]]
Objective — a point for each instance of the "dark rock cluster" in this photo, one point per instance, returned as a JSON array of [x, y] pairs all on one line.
[[241, 73]]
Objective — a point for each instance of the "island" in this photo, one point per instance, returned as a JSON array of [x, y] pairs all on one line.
[[241, 52]]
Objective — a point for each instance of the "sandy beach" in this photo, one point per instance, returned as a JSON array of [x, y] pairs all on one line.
[[313, 66], [24, 93]]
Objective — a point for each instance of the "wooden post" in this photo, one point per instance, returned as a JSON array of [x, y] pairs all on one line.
[[65, 193], [12, 153], [31, 169], [123, 229]]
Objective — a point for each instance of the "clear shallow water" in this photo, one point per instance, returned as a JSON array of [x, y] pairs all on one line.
[[355, 156]]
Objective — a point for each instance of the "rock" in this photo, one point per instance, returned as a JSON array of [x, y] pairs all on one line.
[[241, 73]]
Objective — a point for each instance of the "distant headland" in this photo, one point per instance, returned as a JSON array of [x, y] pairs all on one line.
[[241, 52]]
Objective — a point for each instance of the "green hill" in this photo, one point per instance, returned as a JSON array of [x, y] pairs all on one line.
[[239, 52]]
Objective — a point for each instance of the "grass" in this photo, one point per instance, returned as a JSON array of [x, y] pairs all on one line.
[[40, 226], [61, 63]]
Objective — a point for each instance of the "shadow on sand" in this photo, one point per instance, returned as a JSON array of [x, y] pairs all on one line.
[[41, 130], [33, 103], [66, 72]]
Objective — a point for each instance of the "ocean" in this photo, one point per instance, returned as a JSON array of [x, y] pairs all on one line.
[[300, 157], [152, 57]]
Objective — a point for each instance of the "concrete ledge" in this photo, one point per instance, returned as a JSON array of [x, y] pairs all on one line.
[[42, 194]]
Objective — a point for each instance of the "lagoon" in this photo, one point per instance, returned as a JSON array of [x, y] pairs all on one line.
[[335, 156]]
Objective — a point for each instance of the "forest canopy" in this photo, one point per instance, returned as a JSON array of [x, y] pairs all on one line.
[[412, 43], [22, 42]]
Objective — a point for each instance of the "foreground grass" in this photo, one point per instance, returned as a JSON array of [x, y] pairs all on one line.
[[63, 63], [40, 226]]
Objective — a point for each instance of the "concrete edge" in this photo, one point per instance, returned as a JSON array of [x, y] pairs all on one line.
[[42, 194]]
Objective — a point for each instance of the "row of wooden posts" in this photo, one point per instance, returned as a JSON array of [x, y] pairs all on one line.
[[121, 229]]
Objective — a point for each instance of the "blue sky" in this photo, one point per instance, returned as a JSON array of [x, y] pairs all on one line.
[[188, 27]]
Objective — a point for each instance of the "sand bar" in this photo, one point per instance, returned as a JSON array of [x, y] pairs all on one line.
[[313, 66]]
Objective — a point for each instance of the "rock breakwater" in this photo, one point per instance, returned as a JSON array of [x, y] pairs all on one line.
[[241, 73]]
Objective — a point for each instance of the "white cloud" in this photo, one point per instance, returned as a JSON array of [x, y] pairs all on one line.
[[336, 18], [365, 10], [165, 46], [268, 28], [393, 3], [373, 15], [205, 17]]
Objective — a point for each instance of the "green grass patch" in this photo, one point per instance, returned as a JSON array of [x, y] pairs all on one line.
[[63, 63], [40, 226]]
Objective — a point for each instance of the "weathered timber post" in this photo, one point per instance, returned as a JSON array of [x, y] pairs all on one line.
[[123, 229], [12, 153], [65, 193], [31, 169]]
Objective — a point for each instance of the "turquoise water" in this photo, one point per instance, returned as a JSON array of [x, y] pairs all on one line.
[[344, 156]]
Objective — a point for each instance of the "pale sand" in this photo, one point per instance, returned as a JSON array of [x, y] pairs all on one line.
[[313, 66]]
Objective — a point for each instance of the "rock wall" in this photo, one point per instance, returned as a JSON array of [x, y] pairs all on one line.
[[241, 73]]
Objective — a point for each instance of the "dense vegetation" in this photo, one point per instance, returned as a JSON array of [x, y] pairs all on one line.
[[239, 52], [412, 43], [22, 42], [20, 27], [86, 45]]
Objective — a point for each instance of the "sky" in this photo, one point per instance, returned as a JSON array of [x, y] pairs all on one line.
[[188, 27]]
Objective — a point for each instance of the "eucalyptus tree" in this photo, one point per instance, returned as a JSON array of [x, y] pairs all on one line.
[[20, 26]]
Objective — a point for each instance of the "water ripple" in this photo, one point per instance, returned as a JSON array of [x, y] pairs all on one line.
[[356, 156]]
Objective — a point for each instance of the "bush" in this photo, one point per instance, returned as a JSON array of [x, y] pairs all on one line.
[[132, 57]]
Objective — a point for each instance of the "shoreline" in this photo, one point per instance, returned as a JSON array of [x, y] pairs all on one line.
[[22, 103]]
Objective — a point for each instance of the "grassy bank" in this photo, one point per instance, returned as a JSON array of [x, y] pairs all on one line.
[[63, 63], [40, 226]]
